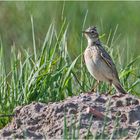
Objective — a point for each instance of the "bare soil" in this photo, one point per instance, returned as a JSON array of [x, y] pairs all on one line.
[[86, 115]]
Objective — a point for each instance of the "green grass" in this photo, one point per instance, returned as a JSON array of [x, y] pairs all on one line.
[[51, 74]]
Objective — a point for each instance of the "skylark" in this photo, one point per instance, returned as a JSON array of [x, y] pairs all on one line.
[[99, 62]]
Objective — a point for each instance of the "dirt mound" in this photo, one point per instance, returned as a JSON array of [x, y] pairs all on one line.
[[86, 115]]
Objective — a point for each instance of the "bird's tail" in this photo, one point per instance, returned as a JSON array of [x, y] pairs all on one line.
[[119, 88]]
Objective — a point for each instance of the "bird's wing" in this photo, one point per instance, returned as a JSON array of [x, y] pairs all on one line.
[[108, 60]]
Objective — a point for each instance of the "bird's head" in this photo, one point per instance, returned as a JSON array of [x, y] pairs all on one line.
[[91, 34]]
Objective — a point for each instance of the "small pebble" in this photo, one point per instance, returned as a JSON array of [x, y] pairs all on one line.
[[85, 98], [127, 102], [6, 133], [134, 102], [119, 103], [100, 99], [128, 98], [123, 118]]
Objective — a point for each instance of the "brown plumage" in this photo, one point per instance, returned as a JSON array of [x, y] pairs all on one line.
[[99, 62]]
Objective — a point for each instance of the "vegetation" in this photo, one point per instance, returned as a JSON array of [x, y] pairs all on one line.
[[53, 68]]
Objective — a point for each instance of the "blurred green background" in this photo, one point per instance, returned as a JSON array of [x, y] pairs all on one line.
[[15, 24], [53, 73]]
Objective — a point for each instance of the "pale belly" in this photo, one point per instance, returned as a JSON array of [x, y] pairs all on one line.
[[96, 67]]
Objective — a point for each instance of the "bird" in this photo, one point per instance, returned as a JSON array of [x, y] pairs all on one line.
[[98, 62]]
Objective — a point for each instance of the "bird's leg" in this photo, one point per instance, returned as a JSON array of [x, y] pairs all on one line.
[[95, 86], [110, 87]]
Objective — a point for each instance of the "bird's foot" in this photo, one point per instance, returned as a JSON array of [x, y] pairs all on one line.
[[93, 90]]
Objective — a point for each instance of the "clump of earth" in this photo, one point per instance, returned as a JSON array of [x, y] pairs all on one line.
[[83, 116]]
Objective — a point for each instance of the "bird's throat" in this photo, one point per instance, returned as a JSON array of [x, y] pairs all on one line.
[[92, 42]]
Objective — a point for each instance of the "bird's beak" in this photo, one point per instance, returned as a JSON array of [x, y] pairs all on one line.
[[85, 32]]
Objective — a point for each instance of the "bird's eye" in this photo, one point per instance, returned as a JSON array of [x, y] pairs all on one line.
[[92, 31]]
